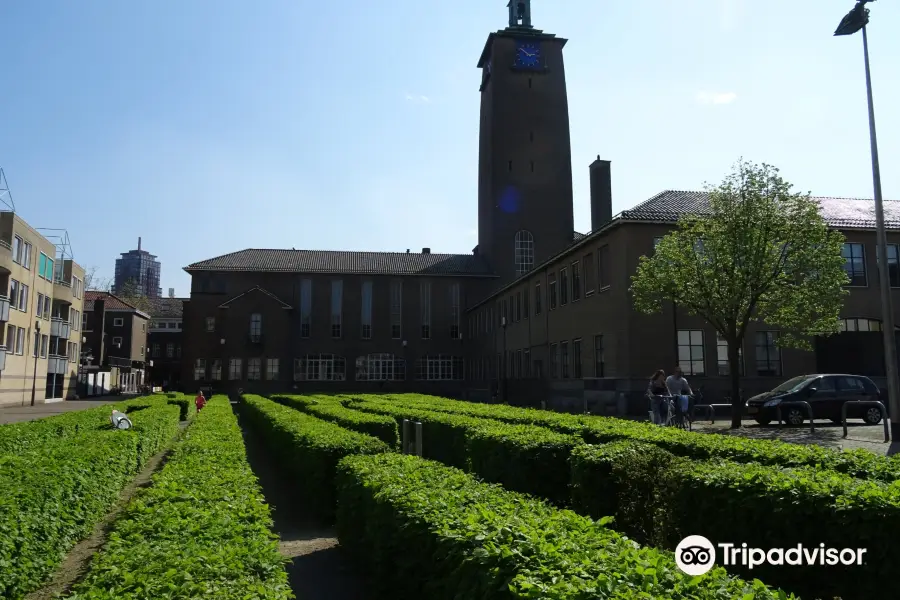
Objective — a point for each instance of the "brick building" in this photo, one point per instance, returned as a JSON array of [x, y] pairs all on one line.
[[115, 337], [164, 342]]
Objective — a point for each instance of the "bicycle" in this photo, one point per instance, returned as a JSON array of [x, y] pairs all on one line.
[[673, 416]]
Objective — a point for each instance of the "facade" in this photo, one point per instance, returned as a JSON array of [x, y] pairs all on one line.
[[41, 314], [536, 312], [164, 342], [140, 269], [115, 340]]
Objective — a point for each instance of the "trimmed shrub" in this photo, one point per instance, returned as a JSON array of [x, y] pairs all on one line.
[[203, 530], [662, 498], [308, 447], [424, 530], [53, 495], [329, 409]]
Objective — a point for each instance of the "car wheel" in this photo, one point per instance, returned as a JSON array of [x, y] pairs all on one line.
[[763, 422], [873, 415], [794, 417]]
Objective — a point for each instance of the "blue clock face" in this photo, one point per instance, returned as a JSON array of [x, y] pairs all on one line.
[[528, 55]]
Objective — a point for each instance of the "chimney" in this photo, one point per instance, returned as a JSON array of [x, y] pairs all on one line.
[[139, 244], [426, 250], [171, 292], [601, 194]]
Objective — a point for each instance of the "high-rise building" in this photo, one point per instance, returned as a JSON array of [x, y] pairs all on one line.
[[141, 270]]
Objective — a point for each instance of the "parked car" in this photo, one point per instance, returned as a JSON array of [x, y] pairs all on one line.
[[826, 395]]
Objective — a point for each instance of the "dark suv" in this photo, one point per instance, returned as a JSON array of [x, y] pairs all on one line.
[[826, 395]]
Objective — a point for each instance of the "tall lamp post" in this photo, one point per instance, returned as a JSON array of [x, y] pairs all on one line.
[[854, 21], [37, 352], [505, 361]]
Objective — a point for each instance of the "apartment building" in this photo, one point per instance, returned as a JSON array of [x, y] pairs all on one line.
[[115, 336], [41, 315]]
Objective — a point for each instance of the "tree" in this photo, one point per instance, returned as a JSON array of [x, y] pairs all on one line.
[[759, 253], [131, 294], [94, 282]]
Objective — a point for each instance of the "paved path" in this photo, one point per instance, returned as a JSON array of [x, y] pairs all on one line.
[[828, 434], [15, 414]]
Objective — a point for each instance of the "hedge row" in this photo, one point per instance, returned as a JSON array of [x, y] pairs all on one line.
[[858, 463], [308, 447], [381, 427], [202, 530], [424, 530], [658, 498], [52, 496]]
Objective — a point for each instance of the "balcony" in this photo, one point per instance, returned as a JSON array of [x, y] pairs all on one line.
[[4, 309], [62, 290], [57, 365], [2, 357], [60, 328]]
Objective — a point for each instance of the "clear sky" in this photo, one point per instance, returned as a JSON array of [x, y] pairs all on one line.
[[211, 126]]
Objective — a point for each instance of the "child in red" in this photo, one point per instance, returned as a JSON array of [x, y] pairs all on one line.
[[200, 401]]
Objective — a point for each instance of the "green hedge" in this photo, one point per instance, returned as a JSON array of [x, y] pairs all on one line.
[[53, 495], [203, 530], [659, 498], [328, 409], [186, 403], [424, 530], [308, 447]]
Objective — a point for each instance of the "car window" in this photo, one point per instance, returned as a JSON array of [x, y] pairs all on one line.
[[850, 384], [824, 384], [792, 384]]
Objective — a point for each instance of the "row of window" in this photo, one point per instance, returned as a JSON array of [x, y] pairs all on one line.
[[366, 322], [855, 263], [48, 268], [692, 350], [117, 343], [165, 325], [172, 351], [331, 367], [15, 344]]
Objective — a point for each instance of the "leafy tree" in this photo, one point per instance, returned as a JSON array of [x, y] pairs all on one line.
[[759, 253], [131, 294], [94, 282]]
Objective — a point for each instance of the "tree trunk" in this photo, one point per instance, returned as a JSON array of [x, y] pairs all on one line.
[[734, 367]]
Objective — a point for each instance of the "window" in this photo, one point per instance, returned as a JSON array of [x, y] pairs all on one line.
[[305, 307], [20, 340], [178, 351], [439, 367], [425, 308], [380, 367], [170, 350], [656, 242], [855, 264], [722, 357], [576, 358], [272, 369], [563, 286], [518, 371], [10, 342], [23, 297], [337, 304], [46, 314], [234, 369], [143, 327], [576, 281], [551, 283], [518, 306], [118, 322], [768, 355], [525, 308], [155, 350], [117, 342], [26, 256], [14, 294], [17, 249], [45, 267], [859, 325], [893, 251], [554, 361], [200, 369], [366, 320], [254, 366], [524, 247], [396, 309], [77, 287], [590, 277], [210, 324], [215, 372], [39, 311], [564, 358], [526, 362], [255, 329], [35, 344], [141, 351], [84, 320], [454, 312], [599, 366], [319, 367], [690, 351], [603, 275], [45, 345]]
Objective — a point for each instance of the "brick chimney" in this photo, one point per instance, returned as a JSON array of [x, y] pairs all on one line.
[[601, 194]]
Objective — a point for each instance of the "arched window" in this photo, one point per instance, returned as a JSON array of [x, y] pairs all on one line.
[[524, 252], [255, 327]]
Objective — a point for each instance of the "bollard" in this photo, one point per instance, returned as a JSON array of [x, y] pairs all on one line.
[[406, 441], [418, 439]]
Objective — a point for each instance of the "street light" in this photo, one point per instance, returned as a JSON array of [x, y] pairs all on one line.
[[505, 362], [854, 21], [37, 351]]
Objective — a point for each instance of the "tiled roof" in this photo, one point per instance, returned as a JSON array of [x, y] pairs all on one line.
[[577, 236], [843, 213], [345, 262], [166, 308], [110, 301]]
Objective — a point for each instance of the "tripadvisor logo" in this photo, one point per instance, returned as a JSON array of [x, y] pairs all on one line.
[[696, 555]]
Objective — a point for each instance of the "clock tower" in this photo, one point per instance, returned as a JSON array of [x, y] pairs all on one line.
[[525, 212]]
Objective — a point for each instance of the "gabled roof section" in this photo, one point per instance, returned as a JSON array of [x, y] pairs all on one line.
[[167, 308], [345, 263], [283, 304], [841, 213], [110, 302]]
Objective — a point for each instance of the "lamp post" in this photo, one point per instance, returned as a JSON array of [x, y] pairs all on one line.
[[37, 351], [505, 361], [854, 21]]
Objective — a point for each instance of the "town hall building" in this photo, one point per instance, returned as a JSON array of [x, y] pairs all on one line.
[[536, 312]]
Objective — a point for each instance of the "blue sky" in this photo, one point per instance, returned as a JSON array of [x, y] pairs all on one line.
[[207, 127]]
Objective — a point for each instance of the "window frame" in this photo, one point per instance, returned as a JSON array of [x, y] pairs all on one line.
[[768, 360], [577, 289], [523, 252], [604, 279], [118, 321], [720, 362], [691, 371], [849, 260]]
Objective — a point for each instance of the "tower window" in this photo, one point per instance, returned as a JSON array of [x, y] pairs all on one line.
[[524, 246]]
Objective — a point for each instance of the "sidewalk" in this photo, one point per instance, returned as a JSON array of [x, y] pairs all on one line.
[[16, 414]]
